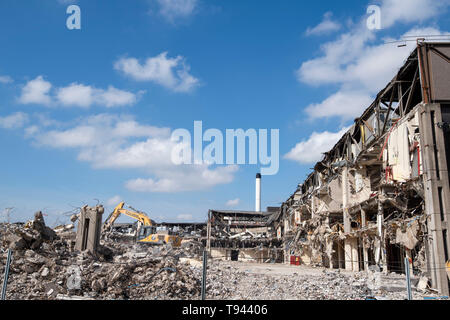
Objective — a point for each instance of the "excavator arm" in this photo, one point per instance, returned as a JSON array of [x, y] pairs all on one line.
[[118, 210], [141, 217], [146, 231]]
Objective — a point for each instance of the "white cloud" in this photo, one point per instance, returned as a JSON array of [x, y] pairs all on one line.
[[113, 142], [184, 178], [6, 79], [114, 97], [311, 150], [394, 11], [13, 121], [175, 9], [100, 131], [184, 217], [358, 67], [114, 201], [353, 61], [76, 95], [38, 91], [359, 64], [80, 95], [31, 130], [326, 26], [40, 121], [172, 73], [82, 136], [343, 104], [233, 203]]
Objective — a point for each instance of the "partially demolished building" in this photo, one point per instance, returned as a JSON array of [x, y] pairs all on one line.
[[382, 192], [187, 230], [243, 235]]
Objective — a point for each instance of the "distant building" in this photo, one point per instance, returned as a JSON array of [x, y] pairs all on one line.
[[243, 235]]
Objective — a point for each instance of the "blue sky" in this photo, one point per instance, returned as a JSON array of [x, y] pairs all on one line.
[[85, 114]]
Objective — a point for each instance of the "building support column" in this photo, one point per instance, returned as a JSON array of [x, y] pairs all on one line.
[[381, 248], [437, 190], [348, 254], [329, 246], [355, 255], [348, 242], [345, 191], [330, 253], [351, 254], [365, 249]]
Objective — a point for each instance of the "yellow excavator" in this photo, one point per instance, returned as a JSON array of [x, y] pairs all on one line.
[[146, 231]]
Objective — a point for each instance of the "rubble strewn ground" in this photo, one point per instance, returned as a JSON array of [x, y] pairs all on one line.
[[46, 266], [237, 280]]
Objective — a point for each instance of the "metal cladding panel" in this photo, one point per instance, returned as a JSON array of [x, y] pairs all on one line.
[[435, 68], [445, 110], [440, 74]]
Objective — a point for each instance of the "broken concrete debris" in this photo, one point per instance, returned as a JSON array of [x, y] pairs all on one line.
[[28, 236], [46, 265], [230, 280], [55, 270]]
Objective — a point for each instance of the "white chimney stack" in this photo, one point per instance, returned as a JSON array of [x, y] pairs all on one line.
[[258, 193]]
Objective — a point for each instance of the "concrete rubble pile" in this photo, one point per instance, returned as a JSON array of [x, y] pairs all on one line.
[[45, 265], [118, 236], [32, 236]]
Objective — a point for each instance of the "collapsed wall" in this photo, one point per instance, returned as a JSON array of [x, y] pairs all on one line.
[[89, 228], [382, 193]]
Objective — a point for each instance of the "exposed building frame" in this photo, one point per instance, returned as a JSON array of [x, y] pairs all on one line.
[[382, 192]]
